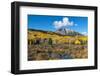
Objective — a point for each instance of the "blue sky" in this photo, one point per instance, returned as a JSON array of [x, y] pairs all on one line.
[[52, 23]]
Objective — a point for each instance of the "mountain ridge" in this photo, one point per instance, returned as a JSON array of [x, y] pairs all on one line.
[[68, 32], [62, 32]]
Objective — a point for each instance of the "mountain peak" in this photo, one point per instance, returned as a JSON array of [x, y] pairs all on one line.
[[65, 31]]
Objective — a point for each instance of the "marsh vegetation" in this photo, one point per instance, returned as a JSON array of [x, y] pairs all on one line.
[[51, 46]]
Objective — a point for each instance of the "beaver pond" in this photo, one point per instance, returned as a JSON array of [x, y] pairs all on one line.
[[56, 51]]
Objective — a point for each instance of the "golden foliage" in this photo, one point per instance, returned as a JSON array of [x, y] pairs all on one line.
[[32, 35]]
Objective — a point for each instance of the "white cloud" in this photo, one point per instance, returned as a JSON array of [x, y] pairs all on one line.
[[58, 24], [85, 33], [64, 22]]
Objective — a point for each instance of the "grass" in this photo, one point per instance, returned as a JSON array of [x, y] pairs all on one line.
[[41, 52], [56, 47]]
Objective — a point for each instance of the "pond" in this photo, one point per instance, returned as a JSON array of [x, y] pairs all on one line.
[[59, 56]]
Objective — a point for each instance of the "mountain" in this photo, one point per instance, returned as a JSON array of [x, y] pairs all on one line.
[[60, 32], [68, 32], [46, 32]]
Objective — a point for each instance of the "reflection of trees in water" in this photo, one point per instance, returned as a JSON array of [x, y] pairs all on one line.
[[56, 51]]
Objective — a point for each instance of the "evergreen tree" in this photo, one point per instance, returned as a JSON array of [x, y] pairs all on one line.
[[50, 41]]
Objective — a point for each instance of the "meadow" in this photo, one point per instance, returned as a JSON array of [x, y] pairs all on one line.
[[53, 46]]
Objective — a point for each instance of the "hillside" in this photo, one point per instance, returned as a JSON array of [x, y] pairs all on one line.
[[47, 45], [60, 38]]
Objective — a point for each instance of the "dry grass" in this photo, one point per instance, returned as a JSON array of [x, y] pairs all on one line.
[[42, 52]]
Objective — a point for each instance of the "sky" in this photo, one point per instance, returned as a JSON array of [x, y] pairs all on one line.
[[52, 23]]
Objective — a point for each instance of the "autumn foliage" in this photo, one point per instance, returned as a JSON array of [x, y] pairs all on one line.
[[50, 46]]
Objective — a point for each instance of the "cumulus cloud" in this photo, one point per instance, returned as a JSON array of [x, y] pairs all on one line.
[[64, 22]]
